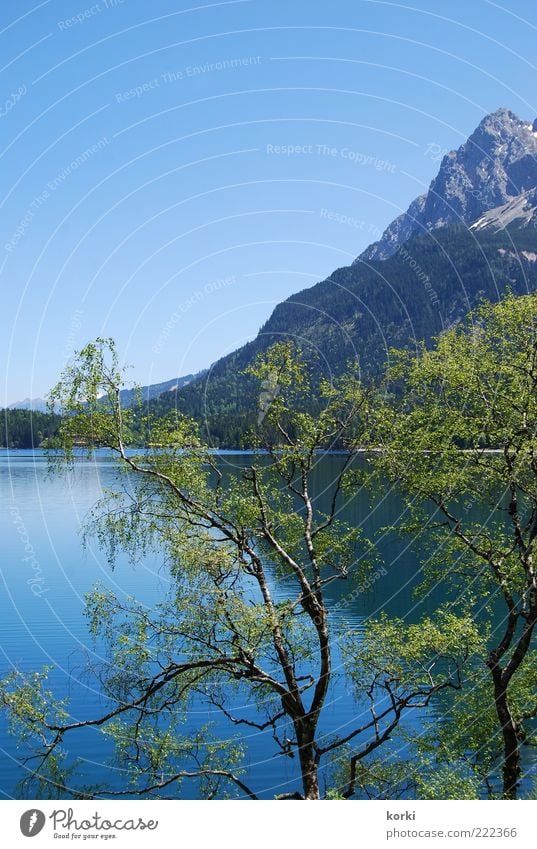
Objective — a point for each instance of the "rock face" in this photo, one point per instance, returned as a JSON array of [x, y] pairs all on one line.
[[521, 210], [497, 164]]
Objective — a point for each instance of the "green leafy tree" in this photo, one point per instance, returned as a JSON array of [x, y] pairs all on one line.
[[461, 438], [27, 428], [250, 556]]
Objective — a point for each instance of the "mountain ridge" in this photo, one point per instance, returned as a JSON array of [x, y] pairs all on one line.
[[472, 235], [36, 405], [363, 310]]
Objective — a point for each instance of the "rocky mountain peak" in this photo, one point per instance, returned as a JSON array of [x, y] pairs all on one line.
[[497, 163]]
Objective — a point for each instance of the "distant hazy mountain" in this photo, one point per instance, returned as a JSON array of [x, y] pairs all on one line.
[[148, 393], [37, 404], [497, 163], [128, 396]]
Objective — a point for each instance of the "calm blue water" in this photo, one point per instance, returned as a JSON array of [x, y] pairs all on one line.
[[45, 573]]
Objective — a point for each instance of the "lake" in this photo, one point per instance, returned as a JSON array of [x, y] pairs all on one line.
[[45, 574]]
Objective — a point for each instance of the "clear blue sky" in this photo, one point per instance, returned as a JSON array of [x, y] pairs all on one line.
[[148, 188]]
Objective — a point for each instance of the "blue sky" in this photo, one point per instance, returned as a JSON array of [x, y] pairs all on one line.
[[171, 171]]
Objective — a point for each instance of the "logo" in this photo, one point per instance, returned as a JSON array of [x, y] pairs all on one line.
[[32, 822], [270, 389]]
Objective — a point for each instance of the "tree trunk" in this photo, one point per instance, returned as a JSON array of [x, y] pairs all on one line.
[[310, 780], [511, 745], [308, 763]]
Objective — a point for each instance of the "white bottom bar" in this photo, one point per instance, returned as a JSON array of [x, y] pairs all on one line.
[[249, 825]]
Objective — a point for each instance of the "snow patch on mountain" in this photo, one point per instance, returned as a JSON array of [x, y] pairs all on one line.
[[522, 209]]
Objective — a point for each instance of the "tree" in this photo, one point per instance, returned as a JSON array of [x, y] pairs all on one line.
[[27, 428], [250, 557], [460, 434]]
